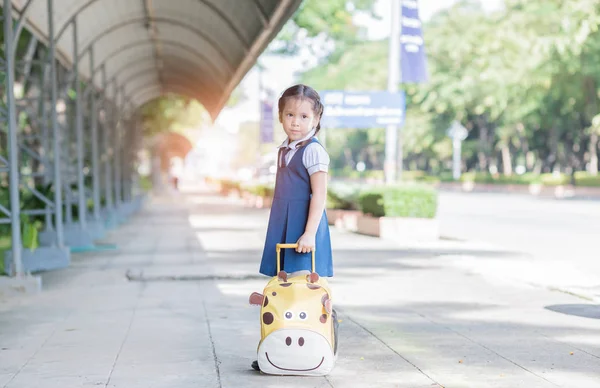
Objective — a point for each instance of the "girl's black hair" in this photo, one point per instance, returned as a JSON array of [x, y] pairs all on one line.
[[303, 91]]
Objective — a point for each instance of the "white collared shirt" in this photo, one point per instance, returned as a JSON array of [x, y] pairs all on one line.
[[315, 156]]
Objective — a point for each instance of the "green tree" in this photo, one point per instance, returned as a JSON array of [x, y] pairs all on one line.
[[171, 113], [523, 79], [324, 27]]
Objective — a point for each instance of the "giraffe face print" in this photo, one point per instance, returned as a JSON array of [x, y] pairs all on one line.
[[296, 327]]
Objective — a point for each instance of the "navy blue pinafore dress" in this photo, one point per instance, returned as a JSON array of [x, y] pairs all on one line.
[[287, 221]]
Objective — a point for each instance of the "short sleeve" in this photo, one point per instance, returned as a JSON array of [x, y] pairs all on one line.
[[315, 158]]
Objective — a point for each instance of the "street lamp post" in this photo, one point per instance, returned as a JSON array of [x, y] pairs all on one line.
[[393, 148]]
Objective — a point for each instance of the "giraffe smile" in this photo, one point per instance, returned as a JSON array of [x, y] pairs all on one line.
[[294, 370]]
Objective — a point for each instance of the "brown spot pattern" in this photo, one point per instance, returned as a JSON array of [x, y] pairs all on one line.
[[323, 318], [285, 284], [301, 341], [274, 293], [313, 286], [267, 318], [266, 301]]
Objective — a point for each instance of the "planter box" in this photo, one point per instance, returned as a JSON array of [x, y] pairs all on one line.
[[249, 199], [345, 219], [334, 216], [41, 259], [264, 202], [255, 201], [399, 228]]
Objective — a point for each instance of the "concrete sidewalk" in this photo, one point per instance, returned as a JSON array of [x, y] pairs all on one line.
[[169, 308]]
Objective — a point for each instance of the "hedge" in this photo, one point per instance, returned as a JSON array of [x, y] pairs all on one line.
[[400, 201], [262, 190], [585, 179], [228, 186], [4, 246], [582, 178], [343, 196]]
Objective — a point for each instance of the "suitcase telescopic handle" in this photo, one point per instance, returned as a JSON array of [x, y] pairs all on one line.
[[278, 248]]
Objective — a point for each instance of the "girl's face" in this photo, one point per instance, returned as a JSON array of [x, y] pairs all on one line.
[[298, 118]]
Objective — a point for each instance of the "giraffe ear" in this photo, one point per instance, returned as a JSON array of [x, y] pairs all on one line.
[[327, 303], [256, 299], [282, 276]]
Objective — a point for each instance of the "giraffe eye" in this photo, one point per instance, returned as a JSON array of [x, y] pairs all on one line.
[[289, 315], [302, 315]]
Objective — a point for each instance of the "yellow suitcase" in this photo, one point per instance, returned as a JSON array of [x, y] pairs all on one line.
[[298, 335]]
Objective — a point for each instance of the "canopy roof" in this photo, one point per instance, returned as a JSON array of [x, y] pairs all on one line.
[[197, 48]]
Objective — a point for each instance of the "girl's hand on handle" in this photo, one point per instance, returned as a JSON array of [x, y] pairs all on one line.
[[306, 243]]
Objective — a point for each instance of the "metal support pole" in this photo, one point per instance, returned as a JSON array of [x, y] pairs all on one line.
[[399, 139], [13, 146], [125, 147], [67, 142], [131, 153], [58, 204], [106, 144], [117, 145], [95, 158], [81, 211], [46, 143], [391, 133], [29, 58], [135, 146], [456, 159]]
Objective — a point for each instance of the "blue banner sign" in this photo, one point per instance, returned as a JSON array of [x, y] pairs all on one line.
[[266, 122], [362, 109], [413, 60]]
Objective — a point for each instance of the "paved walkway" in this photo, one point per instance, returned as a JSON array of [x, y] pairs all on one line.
[[169, 308]]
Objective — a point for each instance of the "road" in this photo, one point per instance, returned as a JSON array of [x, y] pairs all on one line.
[[558, 234]]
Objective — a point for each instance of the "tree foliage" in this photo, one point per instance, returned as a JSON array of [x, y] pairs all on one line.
[[171, 113], [523, 79], [326, 28]]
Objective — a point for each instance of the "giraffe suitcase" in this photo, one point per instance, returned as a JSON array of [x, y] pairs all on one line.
[[298, 323]]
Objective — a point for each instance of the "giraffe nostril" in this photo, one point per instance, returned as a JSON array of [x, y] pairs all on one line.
[[288, 341], [301, 341]]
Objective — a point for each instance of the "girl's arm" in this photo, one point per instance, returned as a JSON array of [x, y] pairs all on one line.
[[318, 184]]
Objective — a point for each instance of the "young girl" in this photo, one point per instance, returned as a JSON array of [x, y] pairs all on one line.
[[298, 209]]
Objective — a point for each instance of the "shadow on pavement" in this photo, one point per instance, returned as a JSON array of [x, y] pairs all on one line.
[[579, 310]]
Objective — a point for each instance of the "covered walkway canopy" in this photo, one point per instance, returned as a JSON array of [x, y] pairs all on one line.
[[198, 48], [69, 118]]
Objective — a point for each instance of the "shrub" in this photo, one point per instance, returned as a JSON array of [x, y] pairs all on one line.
[[229, 186], [421, 176], [555, 180], [446, 176], [583, 178], [350, 173], [4, 246], [400, 201], [261, 190], [343, 197], [413, 175], [145, 183]]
